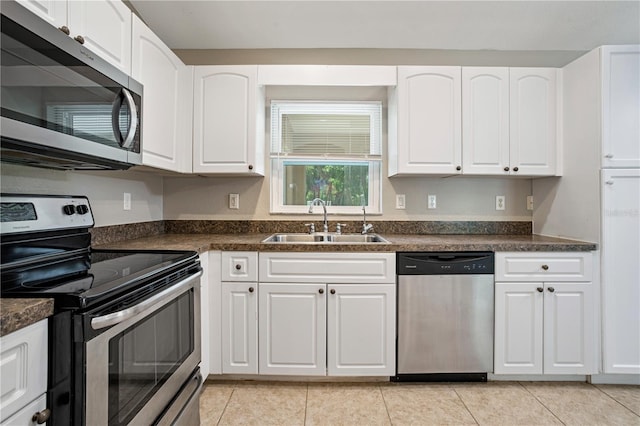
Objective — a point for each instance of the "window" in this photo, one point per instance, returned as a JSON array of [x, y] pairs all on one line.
[[327, 150]]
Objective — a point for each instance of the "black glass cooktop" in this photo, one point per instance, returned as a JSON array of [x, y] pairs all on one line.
[[83, 280]]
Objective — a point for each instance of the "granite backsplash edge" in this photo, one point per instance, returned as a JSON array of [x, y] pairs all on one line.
[[115, 233]]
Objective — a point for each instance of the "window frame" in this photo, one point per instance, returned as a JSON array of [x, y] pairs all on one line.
[[279, 160]]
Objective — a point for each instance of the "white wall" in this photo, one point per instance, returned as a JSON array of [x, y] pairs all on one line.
[[105, 191], [458, 198]]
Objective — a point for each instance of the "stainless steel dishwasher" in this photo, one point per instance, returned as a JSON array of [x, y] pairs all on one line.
[[445, 316]]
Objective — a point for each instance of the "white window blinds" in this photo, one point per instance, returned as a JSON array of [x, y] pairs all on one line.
[[337, 130]]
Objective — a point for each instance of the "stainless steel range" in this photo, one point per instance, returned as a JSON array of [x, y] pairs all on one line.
[[125, 335]]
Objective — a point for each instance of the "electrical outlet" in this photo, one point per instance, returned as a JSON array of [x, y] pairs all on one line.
[[400, 201], [529, 202], [500, 200], [127, 201], [431, 201], [234, 201]]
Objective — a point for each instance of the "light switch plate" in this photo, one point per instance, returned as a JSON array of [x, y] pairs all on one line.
[[127, 201], [431, 201], [529, 202], [400, 201], [234, 201]]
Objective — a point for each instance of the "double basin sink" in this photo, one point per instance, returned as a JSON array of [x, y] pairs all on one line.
[[326, 238]]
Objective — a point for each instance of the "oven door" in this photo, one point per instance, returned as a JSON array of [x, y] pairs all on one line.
[[148, 352]]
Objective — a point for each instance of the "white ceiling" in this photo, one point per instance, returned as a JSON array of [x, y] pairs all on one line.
[[449, 25]]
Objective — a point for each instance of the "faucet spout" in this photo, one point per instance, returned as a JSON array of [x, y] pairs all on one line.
[[325, 225], [366, 227]]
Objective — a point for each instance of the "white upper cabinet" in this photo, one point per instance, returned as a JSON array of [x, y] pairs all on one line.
[[228, 124], [103, 26], [485, 120], [533, 101], [426, 139], [620, 106], [52, 11], [473, 120], [167, 102]]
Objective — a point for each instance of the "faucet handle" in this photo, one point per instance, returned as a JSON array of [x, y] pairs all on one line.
[[339, 227], [311, 226]]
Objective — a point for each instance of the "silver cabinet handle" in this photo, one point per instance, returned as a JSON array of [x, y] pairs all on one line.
[[117, 317], [608, 156], [115, 119]]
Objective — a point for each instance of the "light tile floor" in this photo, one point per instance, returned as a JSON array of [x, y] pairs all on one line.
[[381, 403]]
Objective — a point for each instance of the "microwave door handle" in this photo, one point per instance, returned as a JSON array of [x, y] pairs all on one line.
[[117, 317], [125, 96], [133, 123]]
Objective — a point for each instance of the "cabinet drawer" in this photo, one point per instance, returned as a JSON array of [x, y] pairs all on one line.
[[24, 416], [569, 266], [240, 266], [23, 367], [351, 268]]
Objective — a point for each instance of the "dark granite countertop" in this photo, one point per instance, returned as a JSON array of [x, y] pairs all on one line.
[[19, 313], [398, 242]]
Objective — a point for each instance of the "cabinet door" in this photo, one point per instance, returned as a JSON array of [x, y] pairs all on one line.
[[228, 126], [485, 120], [239, 328], [292, 329], [620, 270], [361, 330], [429, 120], [568, 328], [167, 102], [620, 106], [105, 26], [533, 100], [23, 367], [518, 336], [52, 11]]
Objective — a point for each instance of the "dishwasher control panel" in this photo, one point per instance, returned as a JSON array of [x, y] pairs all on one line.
[[444, 263]]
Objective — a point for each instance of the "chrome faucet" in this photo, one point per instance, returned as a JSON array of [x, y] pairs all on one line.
[[366, 227], [325, 226]]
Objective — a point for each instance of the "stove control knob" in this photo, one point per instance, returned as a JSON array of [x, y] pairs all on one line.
[[82, 209], [69, 209]]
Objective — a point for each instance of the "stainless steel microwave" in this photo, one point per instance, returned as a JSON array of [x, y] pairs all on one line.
[[63, 107]]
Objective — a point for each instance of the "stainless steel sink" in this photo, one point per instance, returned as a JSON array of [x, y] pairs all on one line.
[[322, 238]]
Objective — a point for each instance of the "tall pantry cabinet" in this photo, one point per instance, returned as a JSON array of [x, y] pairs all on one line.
[[598, 197]]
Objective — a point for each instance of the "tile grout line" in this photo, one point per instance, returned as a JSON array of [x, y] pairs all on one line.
[[226, 405], [611, 397], [384, 401], [464, 404], [306, 404], [541, 403]]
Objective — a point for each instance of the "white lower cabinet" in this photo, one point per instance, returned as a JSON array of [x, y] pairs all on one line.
[[544, 327], [308, 314], [23, 369], [361, 330], [327, 329], [239, 328], [292, 328]]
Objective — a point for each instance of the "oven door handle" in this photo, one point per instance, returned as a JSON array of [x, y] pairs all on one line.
[[117, 317]]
